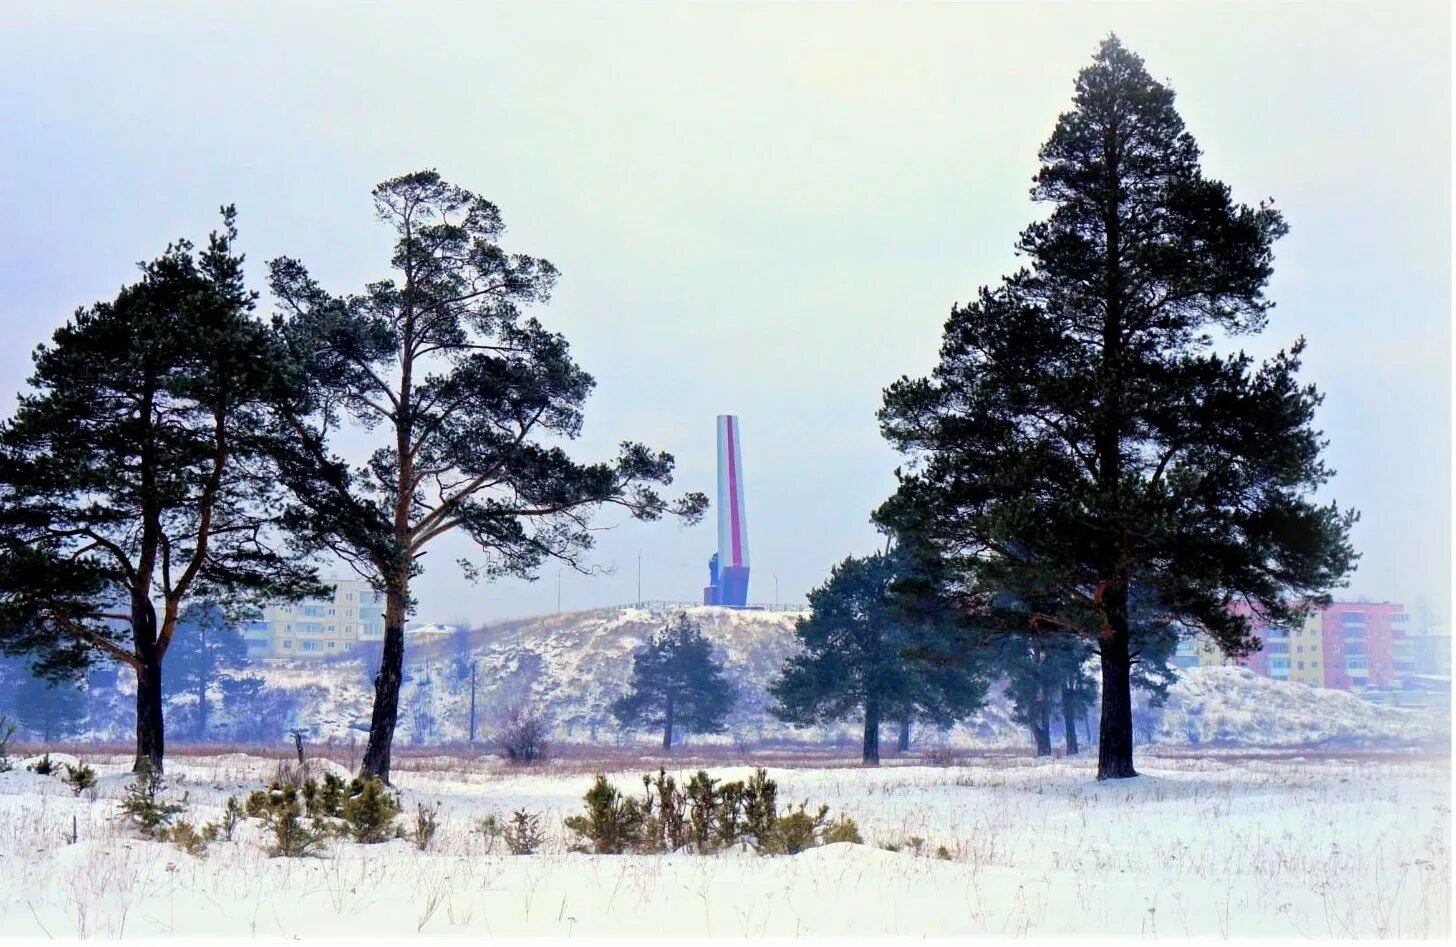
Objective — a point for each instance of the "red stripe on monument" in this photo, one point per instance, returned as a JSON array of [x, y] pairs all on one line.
[[733, 493]]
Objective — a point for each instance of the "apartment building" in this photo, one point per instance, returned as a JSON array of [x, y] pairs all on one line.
[[319, 628], [1358, 640], [1367, 647]]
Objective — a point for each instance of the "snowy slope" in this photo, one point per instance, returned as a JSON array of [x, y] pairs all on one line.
[[574, 665]]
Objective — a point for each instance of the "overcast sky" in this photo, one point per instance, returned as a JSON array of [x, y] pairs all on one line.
[[764, 210]]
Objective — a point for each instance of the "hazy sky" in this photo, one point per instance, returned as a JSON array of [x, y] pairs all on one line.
[[766, 210]]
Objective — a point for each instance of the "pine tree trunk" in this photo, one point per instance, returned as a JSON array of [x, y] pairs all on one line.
[[667, 727], [872, 732], [150, 744], [1114, 746], [386, 687], [1041, 732], [904, 744], [1069, 722], [149, 740]]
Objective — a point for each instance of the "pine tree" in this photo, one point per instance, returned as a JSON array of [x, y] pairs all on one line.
[[44, 709], [134, 476], [677, 682], [473, 399], [207, 643], [865, 651], [1082, 436]]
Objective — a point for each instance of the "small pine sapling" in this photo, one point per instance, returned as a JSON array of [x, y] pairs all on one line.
[[795, 831], [370, 811], [667, 811], [232, 817], [613, 823], [80, 778], [491, 827], [188, 838], [523, 835], [143, 804], [427, 824], [842, 829], [280, 810], [760, 808], [42, 766]]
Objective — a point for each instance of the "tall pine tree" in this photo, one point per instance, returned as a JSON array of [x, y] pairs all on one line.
[[472, 399], [1082, 434], [134, 476], [677, 682]]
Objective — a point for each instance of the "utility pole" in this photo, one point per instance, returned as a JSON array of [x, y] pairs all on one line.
[[472, 704], [776, 590], [639, 577]]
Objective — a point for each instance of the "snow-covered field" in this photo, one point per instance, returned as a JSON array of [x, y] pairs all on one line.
[[1223, 844]]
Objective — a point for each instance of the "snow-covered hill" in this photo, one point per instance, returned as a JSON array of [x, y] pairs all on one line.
[[572, 666]]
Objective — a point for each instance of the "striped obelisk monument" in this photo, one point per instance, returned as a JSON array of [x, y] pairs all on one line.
[[728, 569]]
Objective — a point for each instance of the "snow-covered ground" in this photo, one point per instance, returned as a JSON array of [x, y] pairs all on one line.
[[1222, 844]]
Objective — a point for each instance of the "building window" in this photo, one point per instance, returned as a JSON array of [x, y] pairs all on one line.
[[331, 644], [288, 644], [1301, 665]]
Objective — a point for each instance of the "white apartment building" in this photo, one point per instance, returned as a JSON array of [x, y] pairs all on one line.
[[319, 628]]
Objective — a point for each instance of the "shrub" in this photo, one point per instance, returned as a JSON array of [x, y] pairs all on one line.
[[80, 778], [232, 817], [143, 804], [613, 823], [522, 735], [280, 810], [760, 808], [426, 825], [523, 835], [706, 812], [369, 812], [490, 826], [942, 853], [42, 766], [666, 824], [7, 730], [186, 837], [795, 831], [703, 815], [326, 800], [842, 829]]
